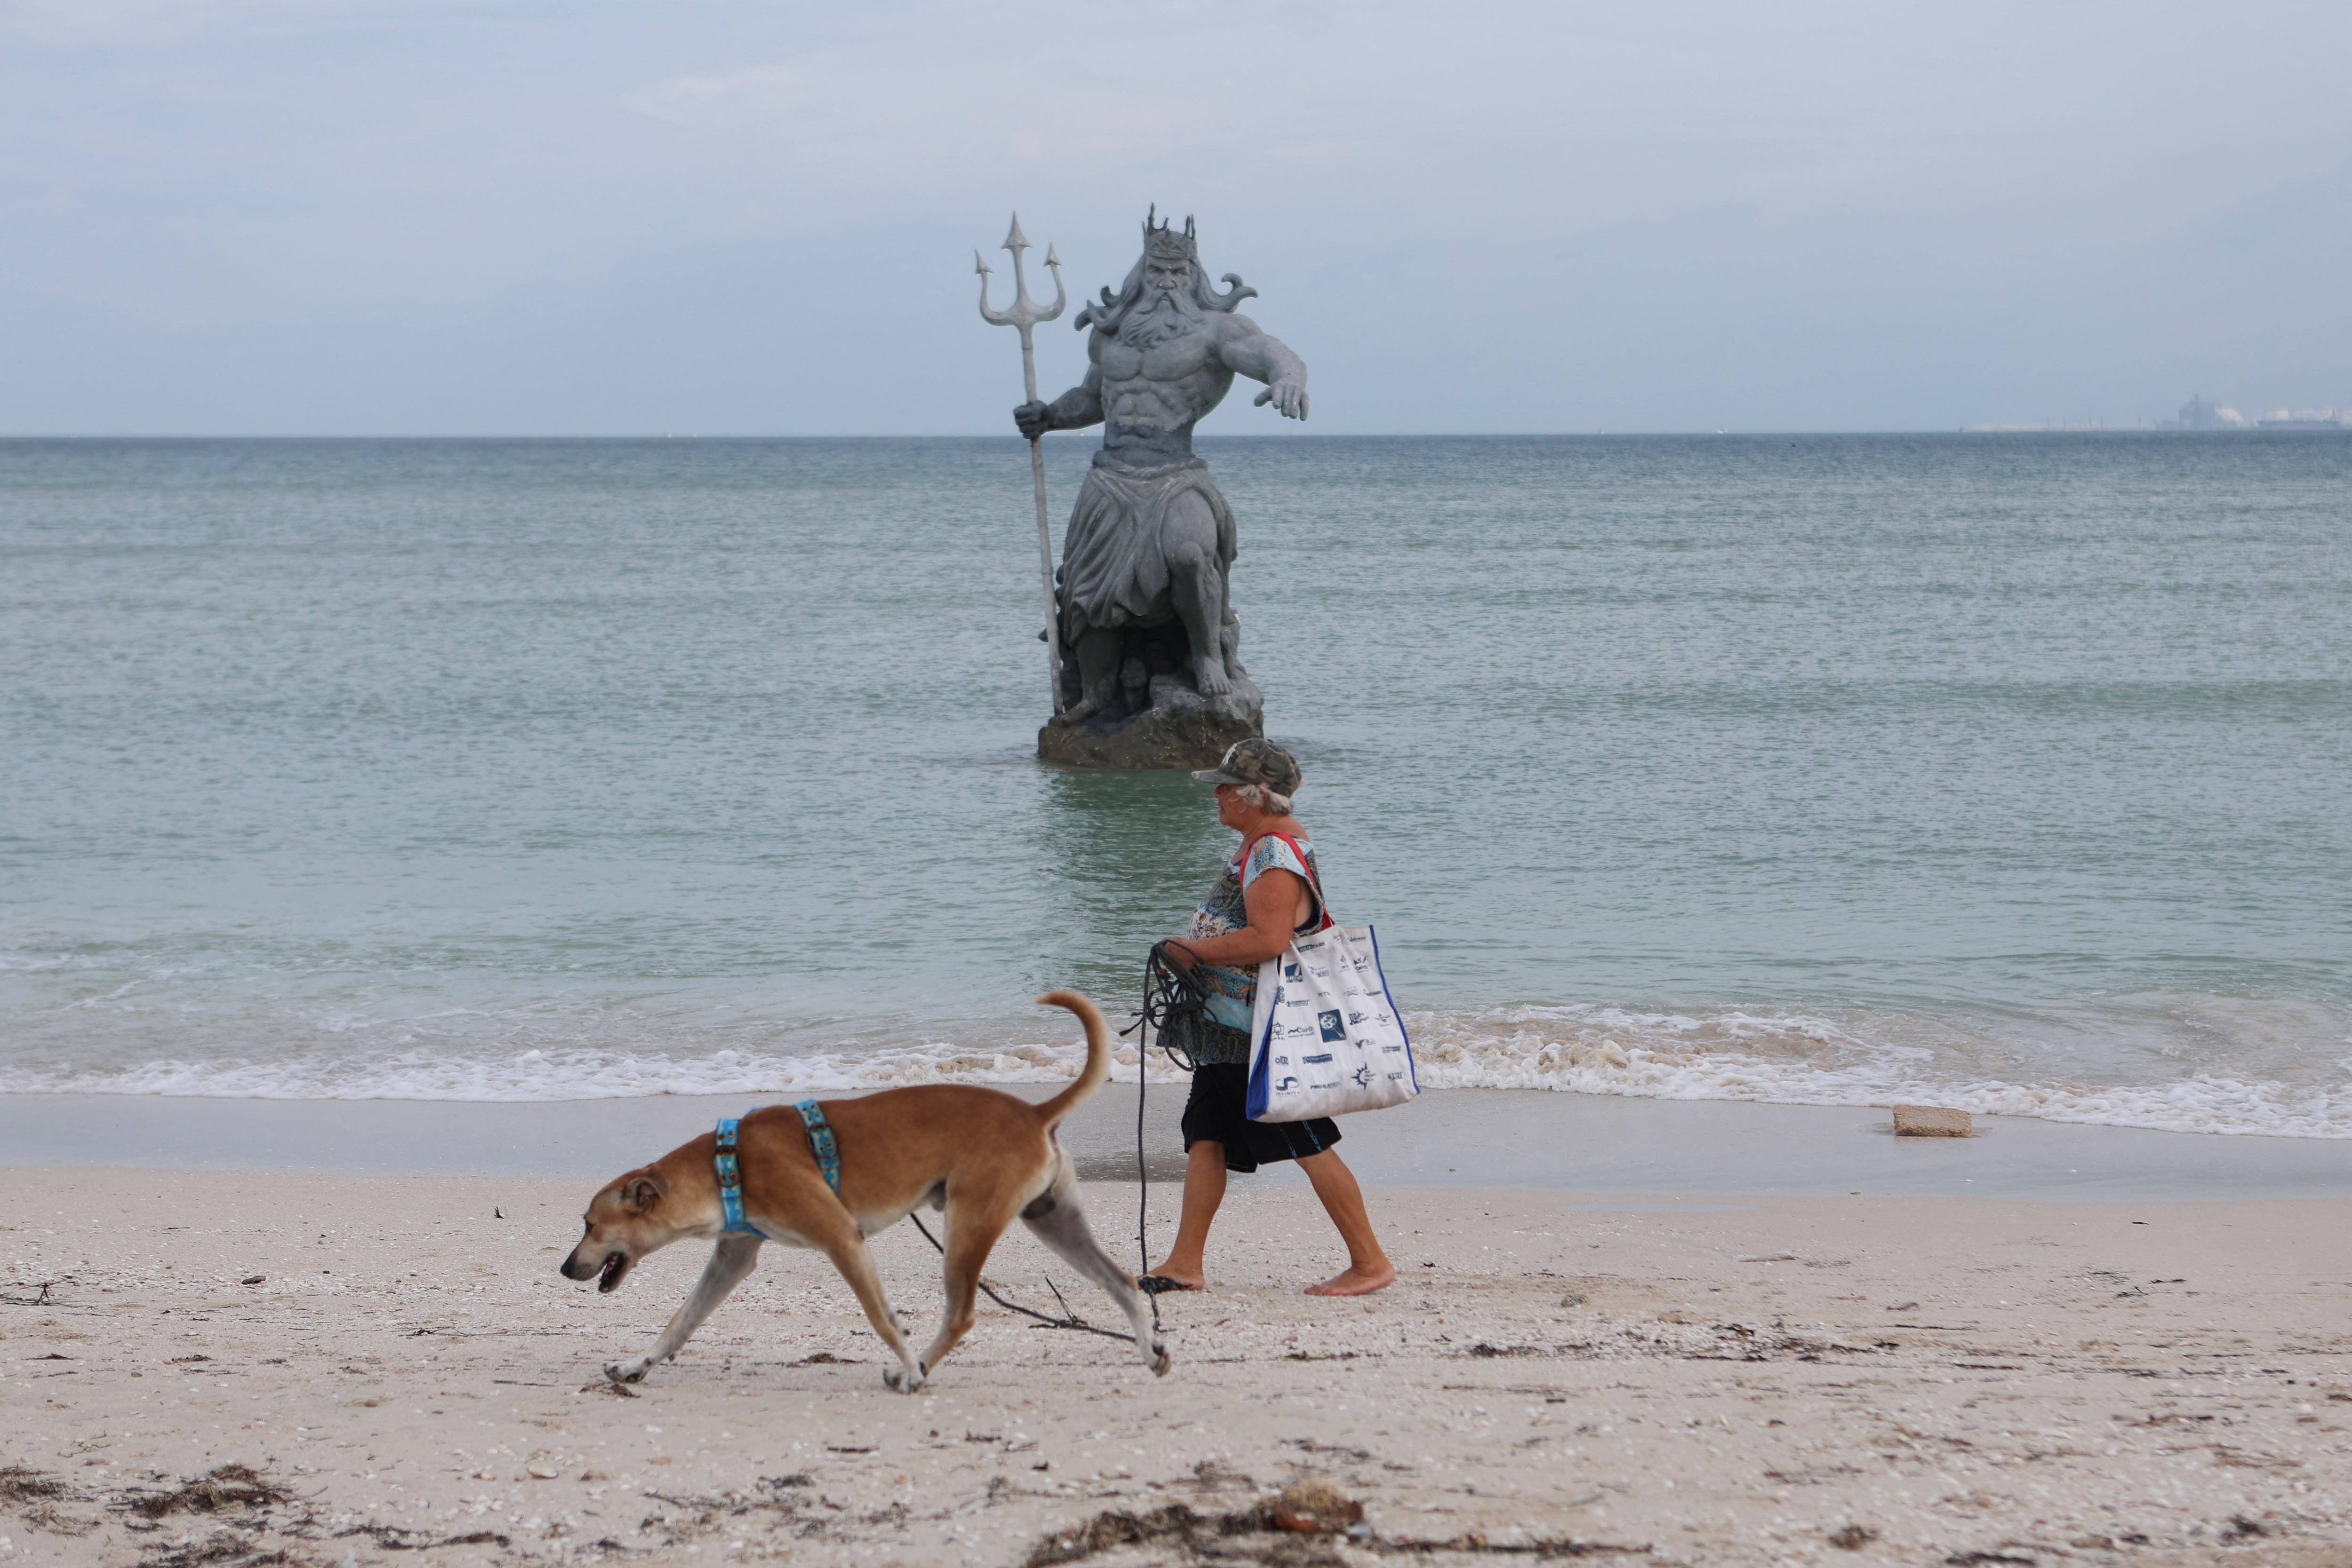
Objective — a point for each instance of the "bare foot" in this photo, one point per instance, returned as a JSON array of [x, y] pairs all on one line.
[[1356, 1283], [1208, 676], [1170, 1278]]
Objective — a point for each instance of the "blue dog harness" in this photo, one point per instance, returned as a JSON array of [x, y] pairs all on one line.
[[731, 1167], [820, 1144]]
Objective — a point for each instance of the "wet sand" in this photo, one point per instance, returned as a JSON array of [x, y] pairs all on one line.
[[1464, 1137]]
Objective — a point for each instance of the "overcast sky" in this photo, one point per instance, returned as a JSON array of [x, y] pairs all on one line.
[[556, 216]]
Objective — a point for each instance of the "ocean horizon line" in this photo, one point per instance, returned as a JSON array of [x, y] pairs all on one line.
[[1061, 437]]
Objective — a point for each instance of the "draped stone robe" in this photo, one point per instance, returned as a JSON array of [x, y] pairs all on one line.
[[1115, 555]]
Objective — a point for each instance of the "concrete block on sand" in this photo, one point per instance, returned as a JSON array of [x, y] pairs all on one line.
[[1929, 1122]]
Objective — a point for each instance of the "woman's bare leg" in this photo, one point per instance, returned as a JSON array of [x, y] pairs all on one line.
[[1204, 1189], [1369, 1267]]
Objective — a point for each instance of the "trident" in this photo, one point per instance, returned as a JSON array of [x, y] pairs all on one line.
[[1024, 313]]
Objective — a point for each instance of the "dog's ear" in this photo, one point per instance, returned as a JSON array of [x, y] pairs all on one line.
[[640, 1193]]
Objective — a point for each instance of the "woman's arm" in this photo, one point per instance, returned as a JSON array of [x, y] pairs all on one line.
[[1277, 904]]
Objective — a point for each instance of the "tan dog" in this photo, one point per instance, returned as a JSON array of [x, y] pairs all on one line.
[[980, 1155]]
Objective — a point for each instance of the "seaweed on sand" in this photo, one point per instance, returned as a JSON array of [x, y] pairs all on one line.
[[19, 1484], [229, 1486], [1258, 1534]]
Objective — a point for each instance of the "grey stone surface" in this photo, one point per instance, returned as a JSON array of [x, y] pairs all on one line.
[[1244, 703], [1160, 739], [1159, 720], [1143, 602]]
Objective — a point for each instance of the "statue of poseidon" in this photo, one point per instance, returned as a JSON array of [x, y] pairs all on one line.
[[1150, 544]]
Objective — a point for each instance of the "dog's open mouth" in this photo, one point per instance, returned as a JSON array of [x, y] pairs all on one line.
[[615, 1265]]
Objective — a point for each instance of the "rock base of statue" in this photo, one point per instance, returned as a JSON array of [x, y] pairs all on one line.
[[1168, 726]]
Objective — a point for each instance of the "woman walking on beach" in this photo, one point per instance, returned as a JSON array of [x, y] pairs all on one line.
[[1270, 891]]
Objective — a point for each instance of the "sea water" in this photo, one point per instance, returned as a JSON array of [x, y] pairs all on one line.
[[2012, 772]]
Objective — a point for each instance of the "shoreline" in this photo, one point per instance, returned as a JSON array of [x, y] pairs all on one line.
[[1486, 1138]]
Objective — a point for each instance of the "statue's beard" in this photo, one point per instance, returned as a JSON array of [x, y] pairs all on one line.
[[1168, 316]]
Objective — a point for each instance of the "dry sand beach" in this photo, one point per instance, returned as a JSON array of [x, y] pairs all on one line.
[[320, 1363]]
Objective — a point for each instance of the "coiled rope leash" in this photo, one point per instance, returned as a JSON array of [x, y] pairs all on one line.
[[1170, 993]]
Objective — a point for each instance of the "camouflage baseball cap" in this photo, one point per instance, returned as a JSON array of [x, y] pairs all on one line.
[[1255, 761]]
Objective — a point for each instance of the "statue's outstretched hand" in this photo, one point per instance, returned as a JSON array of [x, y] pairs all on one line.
[[1030, 418], [1287, 394]]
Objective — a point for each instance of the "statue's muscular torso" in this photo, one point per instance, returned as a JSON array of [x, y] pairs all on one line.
[[1152, 398]]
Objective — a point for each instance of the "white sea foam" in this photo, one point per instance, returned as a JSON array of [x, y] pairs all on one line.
[[578, 1073], [1788, 1058], [1819, 1061]]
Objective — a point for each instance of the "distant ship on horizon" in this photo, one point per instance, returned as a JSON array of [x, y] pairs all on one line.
[[2201, 413]]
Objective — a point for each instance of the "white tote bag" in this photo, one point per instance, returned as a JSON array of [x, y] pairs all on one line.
[[1324, 1036]]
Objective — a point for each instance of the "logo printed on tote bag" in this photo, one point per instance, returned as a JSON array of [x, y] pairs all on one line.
[[1332, 1028]]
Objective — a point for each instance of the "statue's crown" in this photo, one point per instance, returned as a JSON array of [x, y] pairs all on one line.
[[1162, 242]]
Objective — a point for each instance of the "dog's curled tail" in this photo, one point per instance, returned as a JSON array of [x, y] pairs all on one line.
[[1098, 1069]]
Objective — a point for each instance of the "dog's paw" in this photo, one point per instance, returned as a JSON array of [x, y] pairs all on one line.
[[1160, 1360], [628, 1371], [904, 1379]]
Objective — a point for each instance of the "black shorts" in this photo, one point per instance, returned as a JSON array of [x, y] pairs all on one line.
[[1217, 1113]]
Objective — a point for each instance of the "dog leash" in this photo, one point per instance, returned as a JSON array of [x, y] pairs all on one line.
[[1144, 1280], [1070, 1321], [1171, 991]]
